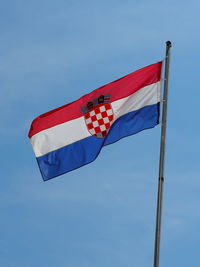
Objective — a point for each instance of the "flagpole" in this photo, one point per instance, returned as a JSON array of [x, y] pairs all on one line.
[[162, 159]]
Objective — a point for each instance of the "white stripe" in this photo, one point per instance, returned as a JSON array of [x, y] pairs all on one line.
[[72, 131], [148, 95], [59, 136]]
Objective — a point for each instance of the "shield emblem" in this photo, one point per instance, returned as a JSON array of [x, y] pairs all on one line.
[[99, 119]]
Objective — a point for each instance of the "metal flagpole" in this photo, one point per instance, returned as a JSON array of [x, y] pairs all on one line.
[[162, 158]]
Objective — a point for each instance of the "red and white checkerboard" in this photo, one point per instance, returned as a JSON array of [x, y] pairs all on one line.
[[99, 119]]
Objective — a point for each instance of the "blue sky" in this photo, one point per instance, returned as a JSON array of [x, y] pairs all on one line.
[[52, 52]]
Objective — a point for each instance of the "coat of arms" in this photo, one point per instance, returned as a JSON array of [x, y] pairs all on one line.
[[98, 115]]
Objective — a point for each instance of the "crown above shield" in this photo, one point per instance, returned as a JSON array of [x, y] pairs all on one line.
[[98, 115], [96, 101]]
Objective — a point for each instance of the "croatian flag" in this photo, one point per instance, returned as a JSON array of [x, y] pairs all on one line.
[[73, 135]]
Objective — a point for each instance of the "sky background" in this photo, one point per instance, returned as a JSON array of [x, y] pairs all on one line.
[[103, 214]]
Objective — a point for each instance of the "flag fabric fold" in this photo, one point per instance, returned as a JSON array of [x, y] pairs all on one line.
[[73, 135]]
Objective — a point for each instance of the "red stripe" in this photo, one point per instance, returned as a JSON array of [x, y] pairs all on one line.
[[118, 89]]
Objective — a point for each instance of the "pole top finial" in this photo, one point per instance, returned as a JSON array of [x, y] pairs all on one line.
[[168, 43]]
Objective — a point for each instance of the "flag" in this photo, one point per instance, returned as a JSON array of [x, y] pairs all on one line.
[[73, 135]]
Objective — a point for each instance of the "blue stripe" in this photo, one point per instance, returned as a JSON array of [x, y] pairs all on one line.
[[85, 151]]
